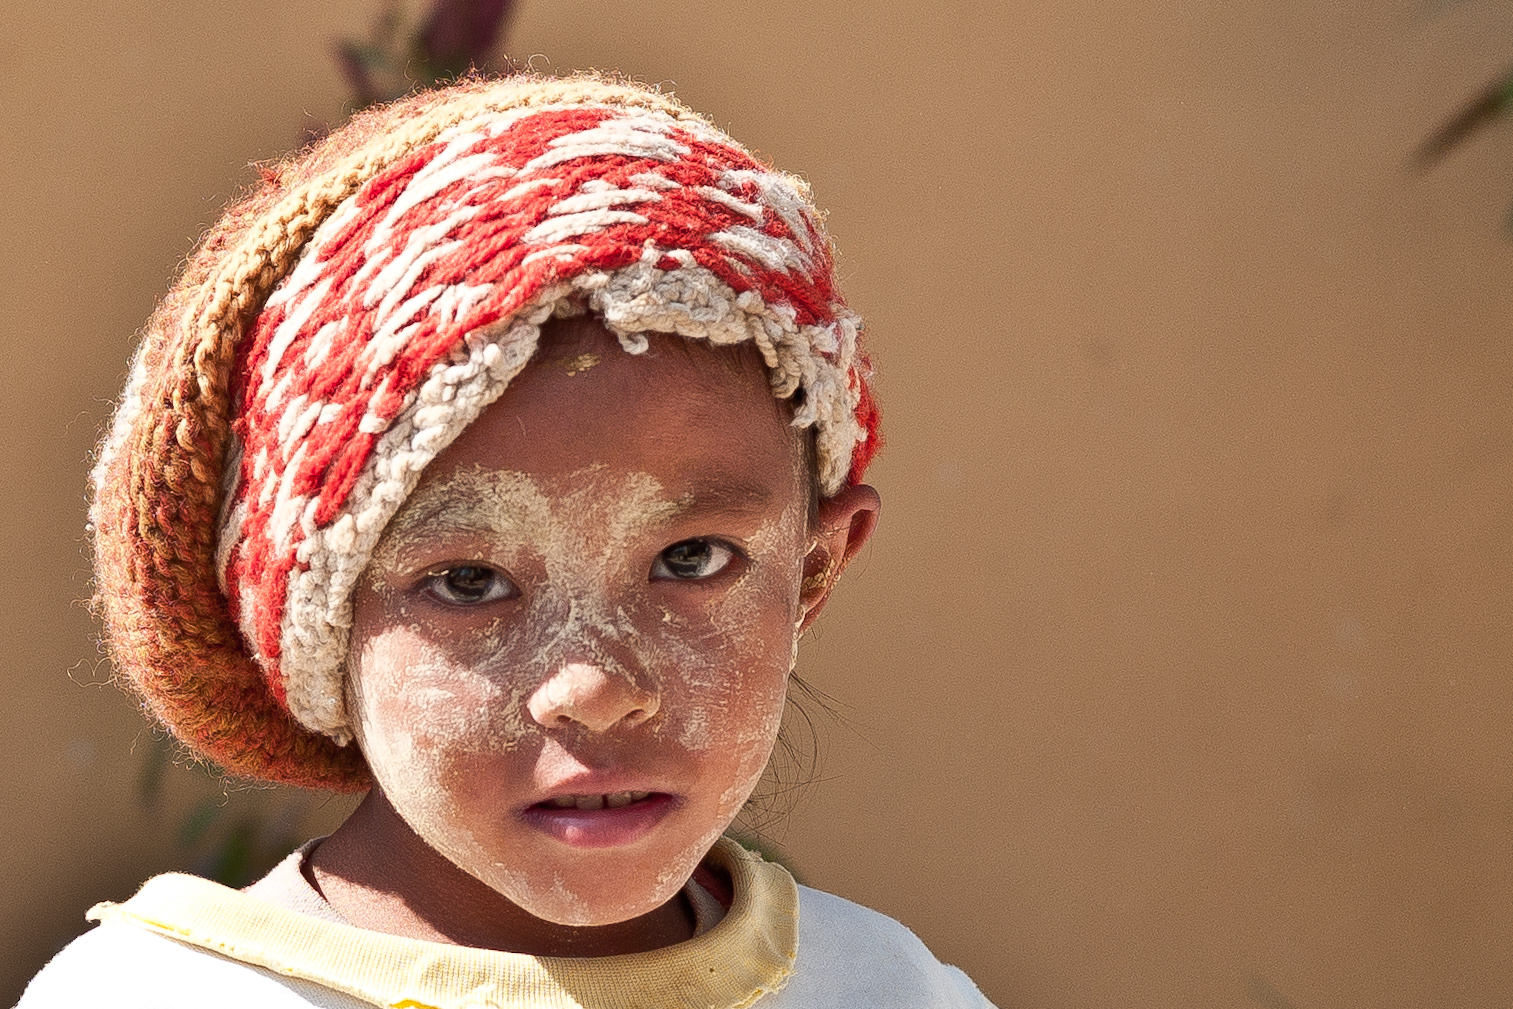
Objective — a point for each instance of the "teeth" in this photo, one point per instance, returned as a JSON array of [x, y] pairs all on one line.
[[615, 800]]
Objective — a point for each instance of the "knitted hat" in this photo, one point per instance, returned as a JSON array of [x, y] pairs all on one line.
[[338, 329]]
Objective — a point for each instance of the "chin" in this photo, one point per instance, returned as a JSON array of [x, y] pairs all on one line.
[[604, 888], [588, 883]]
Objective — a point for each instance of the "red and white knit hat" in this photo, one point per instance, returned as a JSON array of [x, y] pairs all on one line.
[[389, 285]]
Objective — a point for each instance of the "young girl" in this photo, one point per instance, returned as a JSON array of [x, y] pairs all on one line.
[[492, 459]]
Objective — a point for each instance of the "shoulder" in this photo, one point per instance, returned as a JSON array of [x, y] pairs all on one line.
[[850, 955], [126, 967]]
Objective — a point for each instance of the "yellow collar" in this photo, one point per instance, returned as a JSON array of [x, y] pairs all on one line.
[[745, 956]]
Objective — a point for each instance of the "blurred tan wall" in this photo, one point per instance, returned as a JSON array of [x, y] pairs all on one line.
[[1178, 672]]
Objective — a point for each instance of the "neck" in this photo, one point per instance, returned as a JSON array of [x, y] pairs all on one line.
[[379, 874]]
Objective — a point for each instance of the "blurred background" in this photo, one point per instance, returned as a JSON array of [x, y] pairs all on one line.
[[1178, 671]]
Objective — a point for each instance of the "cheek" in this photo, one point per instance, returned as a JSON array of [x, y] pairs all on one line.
[[725, 666], [420, 710]]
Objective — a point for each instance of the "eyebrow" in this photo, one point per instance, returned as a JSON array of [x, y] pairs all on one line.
[[725, 493]]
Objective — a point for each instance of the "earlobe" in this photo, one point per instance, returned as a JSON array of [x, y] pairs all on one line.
[[844, 526]]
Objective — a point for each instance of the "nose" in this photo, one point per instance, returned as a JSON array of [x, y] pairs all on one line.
[[584, 693]]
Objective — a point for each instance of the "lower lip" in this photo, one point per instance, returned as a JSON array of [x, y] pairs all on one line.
[[601, 828]]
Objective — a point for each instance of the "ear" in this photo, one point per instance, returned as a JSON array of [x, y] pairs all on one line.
[[844, 526]]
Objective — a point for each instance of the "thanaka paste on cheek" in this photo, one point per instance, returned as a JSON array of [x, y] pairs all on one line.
[[443, 714]]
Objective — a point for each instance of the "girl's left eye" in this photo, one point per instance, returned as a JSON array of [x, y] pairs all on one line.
[[469, 585], [690, 560]]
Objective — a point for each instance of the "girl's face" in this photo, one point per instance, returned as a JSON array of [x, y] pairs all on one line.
[[571, 648]]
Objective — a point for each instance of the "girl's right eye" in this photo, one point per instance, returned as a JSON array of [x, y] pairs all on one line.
[[469, 585]]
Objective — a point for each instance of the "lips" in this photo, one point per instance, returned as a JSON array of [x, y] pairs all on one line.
[[600, 820]]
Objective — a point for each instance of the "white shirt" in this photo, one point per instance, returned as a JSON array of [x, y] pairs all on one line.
[[164, 953]]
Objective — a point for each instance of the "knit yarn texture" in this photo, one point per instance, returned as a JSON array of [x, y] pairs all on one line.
[[340, 327]]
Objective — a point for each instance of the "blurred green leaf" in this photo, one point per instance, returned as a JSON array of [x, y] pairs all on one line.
[[1486, 107], [455, 37], [199, 821], [236, 855]]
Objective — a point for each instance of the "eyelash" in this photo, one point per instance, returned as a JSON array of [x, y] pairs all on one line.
[[721, 554], [440, 585], [447, 585]]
